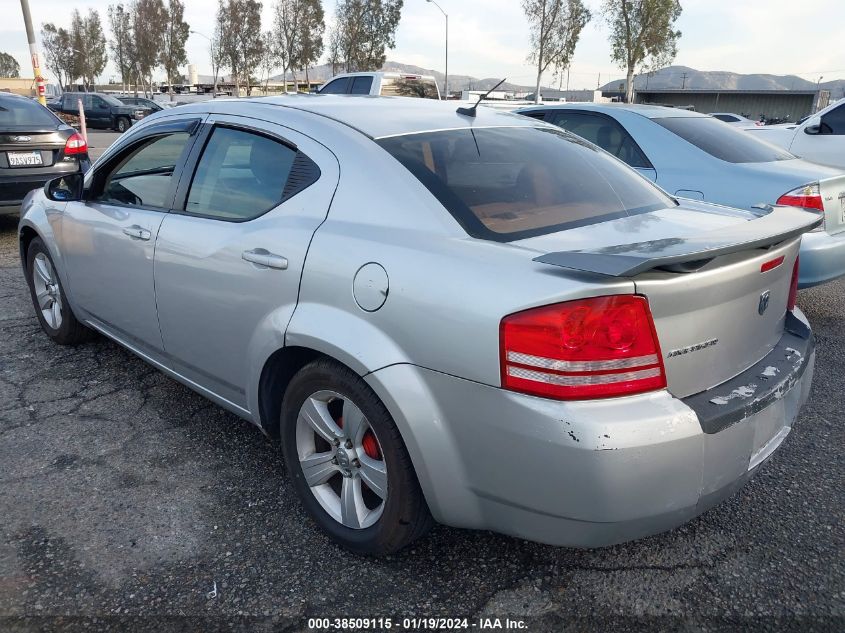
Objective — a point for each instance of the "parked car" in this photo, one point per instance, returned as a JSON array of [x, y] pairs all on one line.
[[35, 146], [101, 110], [148, 106], [737, 120], [819, 138], [480, 319], [693, 156], [385, 84]]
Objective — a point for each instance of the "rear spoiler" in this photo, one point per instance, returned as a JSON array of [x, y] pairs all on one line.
[[687, 254]]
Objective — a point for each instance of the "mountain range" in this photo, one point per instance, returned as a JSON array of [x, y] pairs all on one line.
[[669, 77]]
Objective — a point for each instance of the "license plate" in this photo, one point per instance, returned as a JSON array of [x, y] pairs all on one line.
[[24, 159]]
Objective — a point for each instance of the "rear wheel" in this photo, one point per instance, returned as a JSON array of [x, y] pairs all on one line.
[[348, 463], [48, 298], [122, 124]]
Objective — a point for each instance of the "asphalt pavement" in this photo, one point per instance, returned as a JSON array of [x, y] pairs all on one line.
[[98, 142], [128, 502]]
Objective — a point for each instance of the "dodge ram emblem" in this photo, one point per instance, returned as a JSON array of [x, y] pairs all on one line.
[[764, 303]]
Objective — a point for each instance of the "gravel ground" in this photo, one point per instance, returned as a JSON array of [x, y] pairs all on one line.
[[130, 503]]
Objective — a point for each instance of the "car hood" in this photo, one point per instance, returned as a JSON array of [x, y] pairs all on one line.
[[690, 218]]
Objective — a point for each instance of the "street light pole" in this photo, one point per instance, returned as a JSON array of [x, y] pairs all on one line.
[[33, 52], [211, 47], [446, 78]]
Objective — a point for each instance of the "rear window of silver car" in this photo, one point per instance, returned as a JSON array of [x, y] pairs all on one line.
[[723, 141], [506, 184], [409, 87]]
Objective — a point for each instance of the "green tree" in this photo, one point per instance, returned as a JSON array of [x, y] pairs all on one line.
[[240, 38], [174, 37], [58, 52], [367, 29], [642, 35], [88, 44], [9, 66], [149, 21], [120, 22], [313, 29], [555, 29]]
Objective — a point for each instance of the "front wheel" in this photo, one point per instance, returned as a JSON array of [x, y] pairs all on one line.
[[49, 300], [348, 462], [122, 124]]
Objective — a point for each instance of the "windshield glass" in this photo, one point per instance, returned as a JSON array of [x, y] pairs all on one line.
[[505, 184], [723, 141], [409, 87], [25, 113]]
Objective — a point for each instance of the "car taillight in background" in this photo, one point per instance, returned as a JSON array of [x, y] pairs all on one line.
[[589, 348], [793, 287], [75, 145], [807, 197]]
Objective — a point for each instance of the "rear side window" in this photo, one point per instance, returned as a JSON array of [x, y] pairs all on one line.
[[834, 121], [242, 175], [727, 118], [409, 87], [336, 87], [505, 184], [23, 113], [604, 132], [723, 141], [361, 85]]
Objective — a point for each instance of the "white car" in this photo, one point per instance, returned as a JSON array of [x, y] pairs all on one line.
[[819, 138], [385, 84], [736, 120]]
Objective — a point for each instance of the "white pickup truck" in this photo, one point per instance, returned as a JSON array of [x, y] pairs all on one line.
[[392, 84], [819, 138]]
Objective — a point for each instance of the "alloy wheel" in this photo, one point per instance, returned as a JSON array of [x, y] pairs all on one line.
[[47, 290], [341, 459]]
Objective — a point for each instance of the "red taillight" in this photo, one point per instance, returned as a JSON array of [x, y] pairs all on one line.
[[771, 264], [589, 348], [806, 197], [793, 287], [76, 145]]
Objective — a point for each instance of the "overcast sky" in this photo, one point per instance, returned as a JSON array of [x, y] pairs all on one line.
[[489, 38]]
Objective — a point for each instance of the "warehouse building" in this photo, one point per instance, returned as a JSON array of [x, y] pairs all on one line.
[[790, 105]]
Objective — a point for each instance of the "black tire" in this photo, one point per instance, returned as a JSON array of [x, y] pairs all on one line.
[[122, 124], [406, 516], [70, 330]]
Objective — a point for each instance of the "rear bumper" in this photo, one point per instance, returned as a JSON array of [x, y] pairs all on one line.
[[14, 189], [583, 474], [822, 258]]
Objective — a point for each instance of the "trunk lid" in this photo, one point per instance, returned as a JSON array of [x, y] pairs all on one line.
[[716, 310], [46, 143], [832, 191]]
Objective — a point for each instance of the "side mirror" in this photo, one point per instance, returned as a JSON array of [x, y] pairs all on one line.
[[813, 126], [65, 188]]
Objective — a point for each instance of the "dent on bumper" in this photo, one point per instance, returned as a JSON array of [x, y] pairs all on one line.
[[822, 258], [581, 474]]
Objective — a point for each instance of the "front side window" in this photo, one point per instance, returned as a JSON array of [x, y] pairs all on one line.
[[505, 184], [242, 175], [409, 87], [604, 132], [834, 121], [144, 177], [336, 87], [723, 141]]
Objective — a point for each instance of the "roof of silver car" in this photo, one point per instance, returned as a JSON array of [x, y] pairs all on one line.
[[648, 111], [379, 117]]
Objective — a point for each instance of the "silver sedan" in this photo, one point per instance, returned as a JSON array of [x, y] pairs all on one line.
[[454, 315]]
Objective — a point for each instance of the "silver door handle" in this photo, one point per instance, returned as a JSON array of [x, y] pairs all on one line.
[[264, 257], [137, 232]]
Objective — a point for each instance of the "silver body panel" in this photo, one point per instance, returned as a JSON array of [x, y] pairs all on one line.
[[577, 473]]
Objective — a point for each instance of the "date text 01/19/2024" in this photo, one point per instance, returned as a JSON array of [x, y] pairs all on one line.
[[414, 624]]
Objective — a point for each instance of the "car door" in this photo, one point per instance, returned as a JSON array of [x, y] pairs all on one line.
[[229, 261], [97, 111], [827, 144], [607, 133], [108, 239]]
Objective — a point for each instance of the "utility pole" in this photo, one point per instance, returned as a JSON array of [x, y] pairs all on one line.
[[683, 81], [446, 78], [33, 52]]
